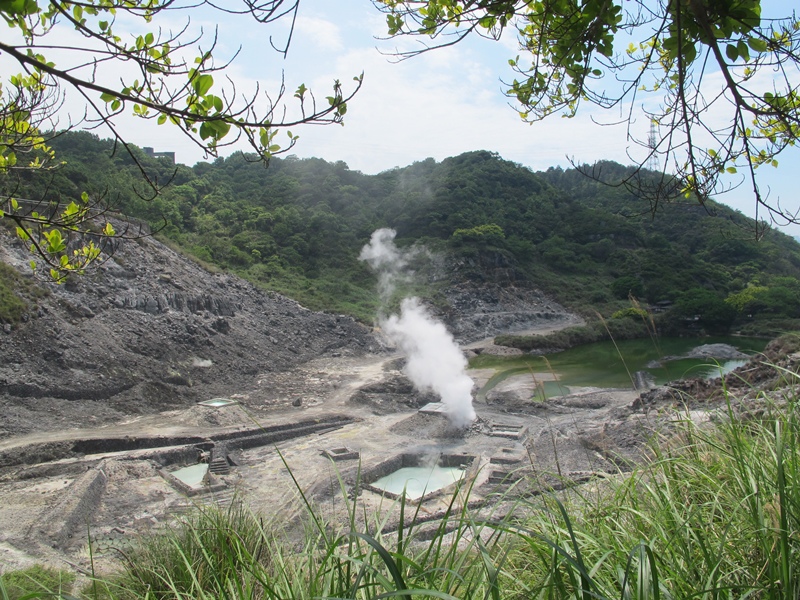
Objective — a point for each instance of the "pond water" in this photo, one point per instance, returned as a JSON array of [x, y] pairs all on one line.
[[418, 481], [193, 476], [606, 365]]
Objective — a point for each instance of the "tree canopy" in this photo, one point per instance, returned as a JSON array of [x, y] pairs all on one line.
[[718, 80], [297, 228], [128, 60]]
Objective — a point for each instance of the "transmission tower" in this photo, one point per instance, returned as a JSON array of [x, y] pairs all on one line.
[[652, 144]]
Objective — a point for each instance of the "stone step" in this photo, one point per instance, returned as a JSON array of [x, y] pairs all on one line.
[[503, 477]]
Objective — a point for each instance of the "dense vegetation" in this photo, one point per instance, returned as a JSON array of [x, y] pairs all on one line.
[[297, 227]]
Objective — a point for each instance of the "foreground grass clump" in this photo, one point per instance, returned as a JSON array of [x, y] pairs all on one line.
[[714, 514], [36, 581], [232, 554]]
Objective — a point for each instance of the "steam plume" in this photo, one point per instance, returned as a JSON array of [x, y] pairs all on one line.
[[385, 259], [434, 361]]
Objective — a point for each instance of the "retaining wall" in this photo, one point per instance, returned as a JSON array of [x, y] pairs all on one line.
[[72, 514]]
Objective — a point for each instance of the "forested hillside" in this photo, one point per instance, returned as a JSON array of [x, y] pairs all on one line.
[[298, 225]]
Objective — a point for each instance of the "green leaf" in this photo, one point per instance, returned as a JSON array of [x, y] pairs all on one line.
[[55, 241], [71, 210], [757, 44], [731, 52], [19, 7], [202, 83], [206, 131], [743, 50]]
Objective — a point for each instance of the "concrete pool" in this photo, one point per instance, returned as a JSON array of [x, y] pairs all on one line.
[[417, 482]]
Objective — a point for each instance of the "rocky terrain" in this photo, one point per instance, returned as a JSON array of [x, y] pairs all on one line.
[[482, 310], [147, 331], [150, 330], [99, 386]]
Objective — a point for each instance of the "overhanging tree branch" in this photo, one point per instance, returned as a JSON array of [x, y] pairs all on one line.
[[568, 57], [169, 88]]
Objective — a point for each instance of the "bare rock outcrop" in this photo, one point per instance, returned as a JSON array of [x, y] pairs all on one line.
[[149, 330], [481, 309]]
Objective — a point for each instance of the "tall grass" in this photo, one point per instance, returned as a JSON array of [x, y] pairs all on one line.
[[714, 514], [233, 554], [36, 581]]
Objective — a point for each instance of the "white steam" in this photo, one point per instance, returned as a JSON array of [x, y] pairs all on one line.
[[385, 259], [434, 361]]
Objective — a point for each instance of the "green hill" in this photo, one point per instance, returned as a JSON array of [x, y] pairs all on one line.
[[297, 227]]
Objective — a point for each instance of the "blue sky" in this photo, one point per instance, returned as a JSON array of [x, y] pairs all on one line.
[[436, 105]]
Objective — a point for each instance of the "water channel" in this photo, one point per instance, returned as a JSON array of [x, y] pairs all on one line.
[[610, 365]]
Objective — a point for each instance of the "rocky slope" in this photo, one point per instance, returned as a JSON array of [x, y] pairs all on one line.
[[149, 331]]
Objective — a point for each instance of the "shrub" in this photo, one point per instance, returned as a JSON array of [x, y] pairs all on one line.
[[632, 312]]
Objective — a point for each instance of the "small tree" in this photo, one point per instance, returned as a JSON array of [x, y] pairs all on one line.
[[708, 307]]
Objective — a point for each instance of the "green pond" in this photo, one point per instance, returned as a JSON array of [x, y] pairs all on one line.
[[606, 365]]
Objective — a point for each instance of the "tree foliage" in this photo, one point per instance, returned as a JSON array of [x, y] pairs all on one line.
[[298, 227], [719, 82], [121, 57]]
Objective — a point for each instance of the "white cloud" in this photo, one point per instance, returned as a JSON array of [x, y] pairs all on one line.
[[324, 34]]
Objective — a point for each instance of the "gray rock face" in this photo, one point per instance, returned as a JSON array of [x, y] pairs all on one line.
[[137, 334], [480, 310], [709, 351]]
